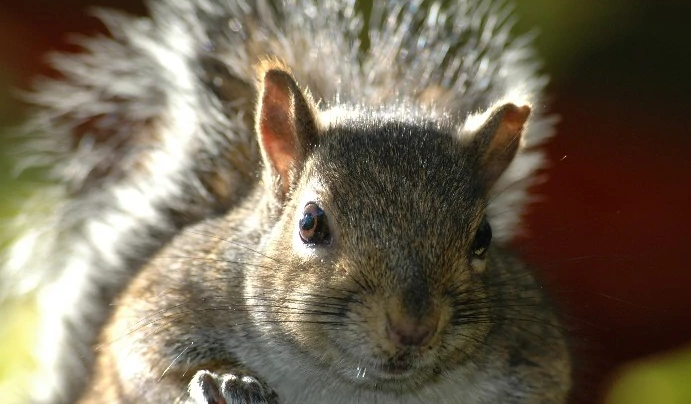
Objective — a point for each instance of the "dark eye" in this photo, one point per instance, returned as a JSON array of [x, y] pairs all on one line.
[[313, 226], [482, 239]]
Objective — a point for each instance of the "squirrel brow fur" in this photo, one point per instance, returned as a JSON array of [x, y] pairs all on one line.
[[137, 145]]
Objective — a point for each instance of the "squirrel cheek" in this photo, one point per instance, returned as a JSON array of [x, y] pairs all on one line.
[[478, 264]]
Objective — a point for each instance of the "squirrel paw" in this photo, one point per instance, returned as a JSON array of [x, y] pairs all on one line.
[[210, 388]]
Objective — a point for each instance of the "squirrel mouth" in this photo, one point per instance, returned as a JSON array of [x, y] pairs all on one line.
[[395, 374], [402, 367], [399, 366], [396, 366], [396, 369]]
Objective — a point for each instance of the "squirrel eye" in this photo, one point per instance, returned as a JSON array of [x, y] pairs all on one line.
[[313, 227], [483, 237]]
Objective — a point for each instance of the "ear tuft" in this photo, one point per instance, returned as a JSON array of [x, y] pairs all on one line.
[[268, 64], [286, 123], [500, 138]]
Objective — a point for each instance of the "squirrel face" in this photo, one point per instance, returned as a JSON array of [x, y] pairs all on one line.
[[383, 287], [388, 282]]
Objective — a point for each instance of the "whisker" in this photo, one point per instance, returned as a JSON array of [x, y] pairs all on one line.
[[175, 360]]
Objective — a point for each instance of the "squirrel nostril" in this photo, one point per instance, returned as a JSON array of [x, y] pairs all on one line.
[[407, 331]]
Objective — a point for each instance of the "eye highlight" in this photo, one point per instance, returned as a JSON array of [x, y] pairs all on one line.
[[313, 226], [483, 237]]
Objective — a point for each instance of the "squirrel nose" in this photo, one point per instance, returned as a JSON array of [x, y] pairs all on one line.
[[405, 331]]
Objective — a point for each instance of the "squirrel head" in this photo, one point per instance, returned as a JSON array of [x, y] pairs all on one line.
[[379, 253]]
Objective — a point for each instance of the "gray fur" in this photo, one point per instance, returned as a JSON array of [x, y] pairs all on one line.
[[137, 140]]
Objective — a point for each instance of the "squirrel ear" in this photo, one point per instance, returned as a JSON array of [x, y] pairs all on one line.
[[500, 138], [286, 123]]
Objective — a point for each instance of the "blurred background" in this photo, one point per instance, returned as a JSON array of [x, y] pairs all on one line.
[[611, 232]]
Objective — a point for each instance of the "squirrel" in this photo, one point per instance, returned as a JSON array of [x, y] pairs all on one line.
[[282, 201]]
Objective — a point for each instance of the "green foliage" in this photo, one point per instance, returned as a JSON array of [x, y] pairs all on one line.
[[17, 335], [659, 380]]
